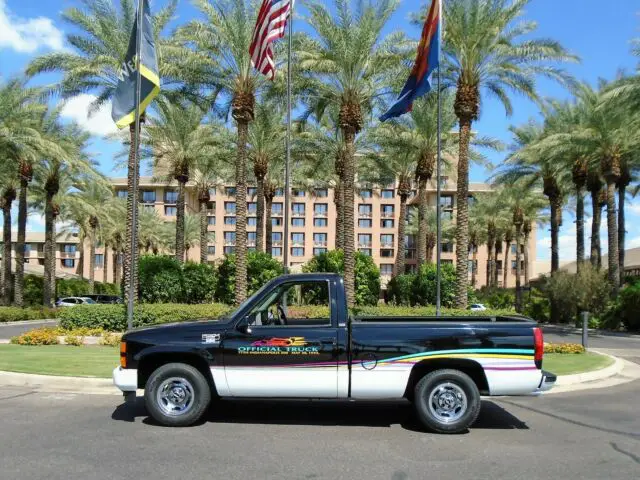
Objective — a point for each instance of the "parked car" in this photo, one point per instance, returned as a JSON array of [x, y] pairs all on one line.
[[477, 307], [105, 299], [73, 301], [295, 338]]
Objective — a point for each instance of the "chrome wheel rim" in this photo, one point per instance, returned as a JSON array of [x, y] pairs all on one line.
[[175, 396], [447, 402]]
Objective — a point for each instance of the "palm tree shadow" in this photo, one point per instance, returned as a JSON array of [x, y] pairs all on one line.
[[322, 413]]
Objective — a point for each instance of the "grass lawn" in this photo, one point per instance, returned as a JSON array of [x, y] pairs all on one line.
[[570, 363], [88, 361]]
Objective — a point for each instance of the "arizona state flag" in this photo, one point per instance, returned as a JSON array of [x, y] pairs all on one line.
[[123, 111]]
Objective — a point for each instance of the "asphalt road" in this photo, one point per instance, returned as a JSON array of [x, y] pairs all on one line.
[[8, 331], [584, 435]]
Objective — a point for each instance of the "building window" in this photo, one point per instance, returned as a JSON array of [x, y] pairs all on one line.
[[230, 208], [386, 223], [68, 262], [471, 200], [229, 250], [298, 209], [319, 239], [251, 238], [319, 251], [297, 222], [252, 221], [364, 240], [170, 196], [297, 238], [148, 196], [365, 223], [279, 192], [321, 192], [297, 252], [230, 191], [514, 249], [276, 238], [320, 209], [446, 201], [387, 211], [276, 209], [276, 251], [211, 250], [386, 240], [366, 193], [386, 269], [296, 192], [320, 222], [252, 191], [276, 222], [211, 220], [69, 248], [387, 193], [365, 210], [229, 220], [99, 260], [365, 251], [122, 193], [410, 268], [212, 192], [410, 246], [386, 252], [229, 238], [447, 247], [170, 211], [252, 208]]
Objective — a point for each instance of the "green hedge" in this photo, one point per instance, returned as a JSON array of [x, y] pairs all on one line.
[[69, 287], [113, 318], [15, 314]]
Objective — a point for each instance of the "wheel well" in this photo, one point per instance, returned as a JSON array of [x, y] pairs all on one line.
[[470, 367], [150, 363]]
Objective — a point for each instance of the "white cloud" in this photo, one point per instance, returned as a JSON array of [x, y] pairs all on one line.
[[633, 242], [26, 35], [633, 208], [100, 123]]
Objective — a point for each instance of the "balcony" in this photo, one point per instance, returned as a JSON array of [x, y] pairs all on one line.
[[364, 245], [365, 215], [320, 215], [230, 243], [67, 254], [387, 214], [386, 245], [297, 214], [319, 243], [276, 243], [251, 243], [229, 211], [276, 213], [297, 243]]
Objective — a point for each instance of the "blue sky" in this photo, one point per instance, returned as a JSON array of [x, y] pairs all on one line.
[[600, 36]]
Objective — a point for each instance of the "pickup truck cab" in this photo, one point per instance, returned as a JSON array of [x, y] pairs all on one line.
[[294, 338]]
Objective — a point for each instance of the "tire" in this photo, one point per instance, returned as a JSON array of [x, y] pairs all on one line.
[[447, 401], [177, 395]]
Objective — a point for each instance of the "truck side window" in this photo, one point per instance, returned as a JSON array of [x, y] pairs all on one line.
[[294, 304]]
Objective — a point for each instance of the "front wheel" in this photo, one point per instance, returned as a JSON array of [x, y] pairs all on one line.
[[177, 395], [447, 401]]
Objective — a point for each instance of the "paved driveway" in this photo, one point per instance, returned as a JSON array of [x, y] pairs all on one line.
[[586, 435]]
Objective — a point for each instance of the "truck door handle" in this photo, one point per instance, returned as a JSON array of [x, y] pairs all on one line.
[[328, 341]]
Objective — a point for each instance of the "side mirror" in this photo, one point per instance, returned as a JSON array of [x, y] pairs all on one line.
[[244, 326]]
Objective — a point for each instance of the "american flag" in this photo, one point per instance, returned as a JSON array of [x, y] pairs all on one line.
[[271, 25]]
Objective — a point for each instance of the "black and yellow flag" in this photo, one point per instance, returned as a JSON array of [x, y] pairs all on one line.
[[123, 111]]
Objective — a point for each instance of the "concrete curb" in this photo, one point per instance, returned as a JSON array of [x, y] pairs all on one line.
[[29, 322], [610, 371], [56, 384]]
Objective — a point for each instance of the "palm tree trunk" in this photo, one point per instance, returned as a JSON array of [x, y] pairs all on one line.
[[462, 217], [579, 228], [612, 230], [80, 267], [496, 271], [130, 264], [621, 231], [204, 233], [596, 253], [349, 230], [422, 221], [268, 226], [92, 259], [556, 209], [52, 266], [241, 213], [260, 215], [180, 223], [339, 201], [48, 250], [7, 202], [116, 267], [105, 264], [518, 268], [505, 266], [401, 254], [18, 289], [490, 262], [527, 231], [474, 270]]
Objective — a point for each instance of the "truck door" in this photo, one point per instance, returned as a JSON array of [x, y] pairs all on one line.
[[286, 346]]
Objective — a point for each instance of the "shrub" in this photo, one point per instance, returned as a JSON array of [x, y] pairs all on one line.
[[625, 310], [496, 297], [160, 279], [33, 288], [113, 318], [40, 336], [74, 340], [260, 269], [400, 289], [110, 339], [424, 288], [536, 306], [15, 314], [367, 275], [563, 348], [199, 282]]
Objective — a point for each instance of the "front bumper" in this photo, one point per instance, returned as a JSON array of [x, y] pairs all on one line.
[[126, 379]]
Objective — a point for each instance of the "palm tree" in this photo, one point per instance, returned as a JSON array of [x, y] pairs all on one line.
[[348, 61], [629, 171], [175, 139], [8, 186], [93, 65], [155, 236], [484, 50], [489, 211], [477, 237], [113, 234], [598, 200]]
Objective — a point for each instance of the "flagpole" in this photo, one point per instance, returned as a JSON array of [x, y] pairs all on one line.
[[134, 214], [287, 167], [439, 173]]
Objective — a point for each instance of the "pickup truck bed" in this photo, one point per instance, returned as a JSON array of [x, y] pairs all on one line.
[[442, 364]]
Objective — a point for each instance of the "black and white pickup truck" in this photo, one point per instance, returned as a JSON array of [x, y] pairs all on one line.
[[295, 339]]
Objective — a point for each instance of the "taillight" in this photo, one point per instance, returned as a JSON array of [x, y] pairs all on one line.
[[538, 345], [123, 354]]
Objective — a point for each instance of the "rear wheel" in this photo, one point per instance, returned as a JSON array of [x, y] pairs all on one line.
[[177, 395], [447, 401]]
